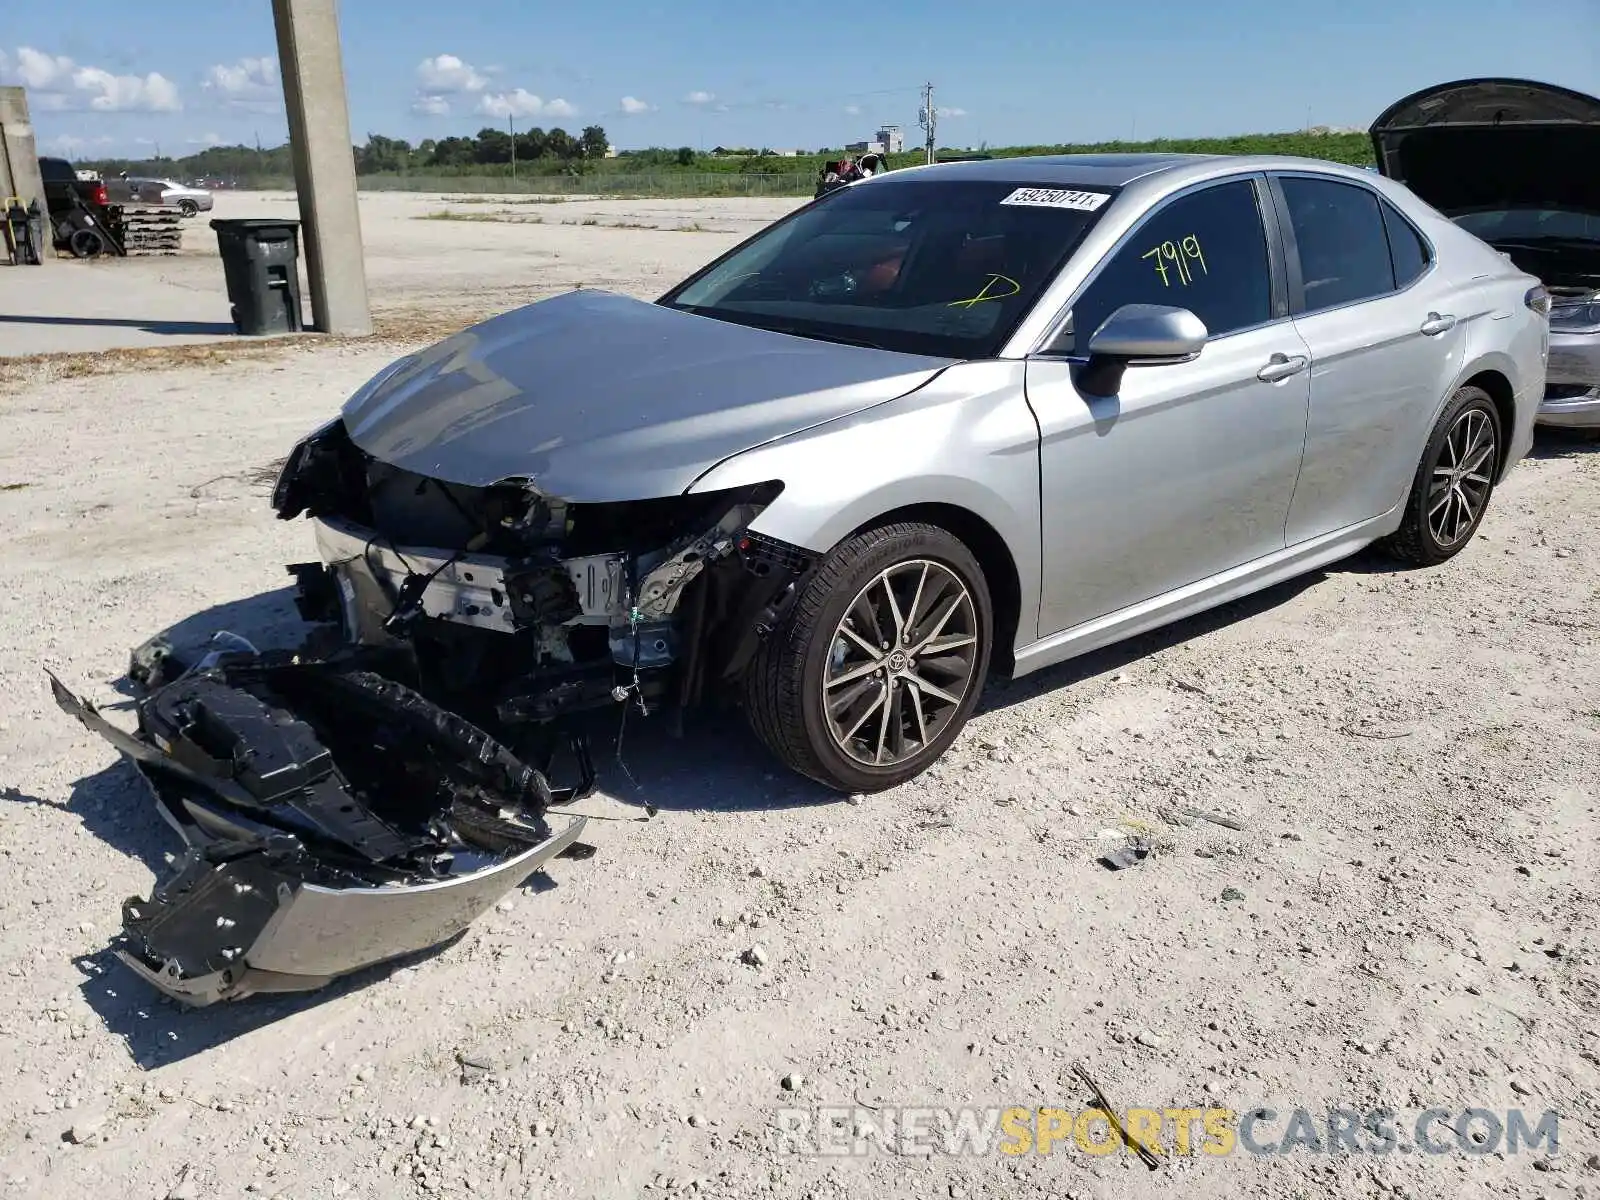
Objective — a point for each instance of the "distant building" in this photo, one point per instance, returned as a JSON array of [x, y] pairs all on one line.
[[888, 140]]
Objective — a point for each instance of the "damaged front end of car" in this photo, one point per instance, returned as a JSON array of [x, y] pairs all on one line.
[[367, 795], [514, 607], [333, 819]]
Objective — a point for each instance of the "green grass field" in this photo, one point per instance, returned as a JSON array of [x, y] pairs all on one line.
[[665, 172]]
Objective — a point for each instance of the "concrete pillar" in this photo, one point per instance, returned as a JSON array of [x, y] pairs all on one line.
[[19, 159], [324, 166]]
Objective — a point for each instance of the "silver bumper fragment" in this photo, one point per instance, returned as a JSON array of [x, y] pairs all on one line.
[[311, 935]]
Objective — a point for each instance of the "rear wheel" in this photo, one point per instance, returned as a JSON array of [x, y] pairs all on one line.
[[188, 207], [882, 662], [1453, 482]]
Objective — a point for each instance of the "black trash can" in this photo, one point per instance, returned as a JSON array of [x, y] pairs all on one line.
[[261, 263]]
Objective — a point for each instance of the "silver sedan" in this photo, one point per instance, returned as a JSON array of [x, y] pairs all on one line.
[[187, 200], [948, 422]]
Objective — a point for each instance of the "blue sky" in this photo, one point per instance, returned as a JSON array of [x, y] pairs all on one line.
[[778, 75]]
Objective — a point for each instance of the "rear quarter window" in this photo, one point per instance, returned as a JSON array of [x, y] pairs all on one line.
[[1407, 251], [56, 170]]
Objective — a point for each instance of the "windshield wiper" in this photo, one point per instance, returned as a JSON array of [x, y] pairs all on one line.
[[796, 331], [756, 322]]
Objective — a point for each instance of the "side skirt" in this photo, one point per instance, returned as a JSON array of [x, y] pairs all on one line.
[[1207, 594]]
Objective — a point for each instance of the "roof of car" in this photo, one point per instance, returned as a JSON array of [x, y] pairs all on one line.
[[1104, 170]]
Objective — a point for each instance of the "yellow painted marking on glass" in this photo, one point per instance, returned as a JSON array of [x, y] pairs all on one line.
[[1178, 259], [987, 293]]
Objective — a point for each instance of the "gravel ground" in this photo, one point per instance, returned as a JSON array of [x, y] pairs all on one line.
[[1406, 920]]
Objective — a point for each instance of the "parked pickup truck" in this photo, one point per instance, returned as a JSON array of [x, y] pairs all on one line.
[[80, 219]]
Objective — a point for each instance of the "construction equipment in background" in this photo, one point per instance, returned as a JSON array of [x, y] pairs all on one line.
[[93, 217], [838, 173]]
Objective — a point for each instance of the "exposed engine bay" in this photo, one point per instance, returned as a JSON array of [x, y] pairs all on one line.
[[511, 607], [333, 819]]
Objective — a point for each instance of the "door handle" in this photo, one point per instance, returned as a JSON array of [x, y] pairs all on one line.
[[1437, 324], [1281, 366]]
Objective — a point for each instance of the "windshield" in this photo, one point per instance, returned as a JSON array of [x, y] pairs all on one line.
[[938, 267], [1521, 224]]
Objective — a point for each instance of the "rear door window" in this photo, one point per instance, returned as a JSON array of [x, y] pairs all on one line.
[[1339, 231], [1206, 252]]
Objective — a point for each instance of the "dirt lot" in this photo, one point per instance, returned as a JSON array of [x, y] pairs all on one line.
[[1407, 919]]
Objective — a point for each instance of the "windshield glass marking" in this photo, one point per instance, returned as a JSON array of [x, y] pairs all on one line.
[[1058, 198], [1181, 255], [990, 292]]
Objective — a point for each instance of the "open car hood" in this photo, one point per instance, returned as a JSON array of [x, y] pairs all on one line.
[[596, 397], [1484, 144]]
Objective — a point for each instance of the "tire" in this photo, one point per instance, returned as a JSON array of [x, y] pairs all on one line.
[[188, 208], [1446, 506], [812, 653], [87, 242]]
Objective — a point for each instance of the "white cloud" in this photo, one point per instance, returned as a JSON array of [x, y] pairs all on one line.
[[519, 102], [41, 72], [205, 139], [59, 84], [447, 75], [249, 83], [244, 76], [699, 98], [632, 106], [952, 112], [852, 110]]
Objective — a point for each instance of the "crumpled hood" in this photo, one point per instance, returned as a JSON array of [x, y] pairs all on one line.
[[595, 397]]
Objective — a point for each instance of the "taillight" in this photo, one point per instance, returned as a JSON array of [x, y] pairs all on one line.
[[100, 197], [1538, 299]]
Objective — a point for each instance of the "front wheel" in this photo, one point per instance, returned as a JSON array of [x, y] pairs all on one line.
[[882, 662], [1453, 483]]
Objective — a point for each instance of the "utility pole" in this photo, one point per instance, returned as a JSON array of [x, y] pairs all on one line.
[[511, 122], [928, 118], [324, 168]]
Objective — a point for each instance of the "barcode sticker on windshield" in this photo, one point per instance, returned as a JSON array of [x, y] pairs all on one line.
[[1057, 198]]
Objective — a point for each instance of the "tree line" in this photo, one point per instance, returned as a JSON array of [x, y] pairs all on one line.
[[540, 150], [557, 152]]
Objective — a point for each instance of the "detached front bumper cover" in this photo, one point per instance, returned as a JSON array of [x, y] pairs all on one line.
[[333, 820]]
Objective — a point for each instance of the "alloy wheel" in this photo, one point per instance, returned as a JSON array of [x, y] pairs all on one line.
[[1462, 477], [900, 663]]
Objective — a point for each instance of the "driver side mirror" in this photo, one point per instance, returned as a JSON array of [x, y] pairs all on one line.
[[1137, 335]]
